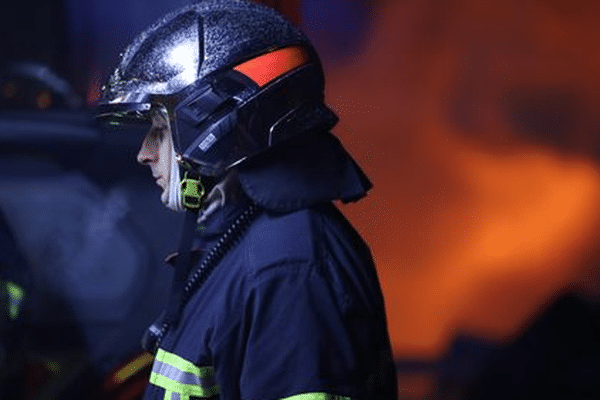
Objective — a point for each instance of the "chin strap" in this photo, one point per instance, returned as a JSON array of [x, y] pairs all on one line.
[[192, 193], [182, 268]]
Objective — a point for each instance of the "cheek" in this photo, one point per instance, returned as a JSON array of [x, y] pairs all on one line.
[[165, 154]]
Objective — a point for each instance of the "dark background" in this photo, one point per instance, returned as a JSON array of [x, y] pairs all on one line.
[[477, 122]]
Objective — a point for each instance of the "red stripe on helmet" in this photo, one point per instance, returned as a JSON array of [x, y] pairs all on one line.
[[263, 69]]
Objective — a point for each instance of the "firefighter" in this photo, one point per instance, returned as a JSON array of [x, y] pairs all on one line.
[[275, 295]]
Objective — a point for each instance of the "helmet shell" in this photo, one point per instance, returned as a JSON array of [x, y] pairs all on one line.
[[186, 60]]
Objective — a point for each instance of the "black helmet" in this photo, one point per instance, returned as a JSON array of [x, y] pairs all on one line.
[[235, 78]]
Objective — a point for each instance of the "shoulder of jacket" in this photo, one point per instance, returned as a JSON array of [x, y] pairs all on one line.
[[281, 239]]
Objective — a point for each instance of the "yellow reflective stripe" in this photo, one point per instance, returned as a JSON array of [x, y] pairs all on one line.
[[182, 364], [183, 390], [15, 297], [15, 291], [316, 396], [181, 378]]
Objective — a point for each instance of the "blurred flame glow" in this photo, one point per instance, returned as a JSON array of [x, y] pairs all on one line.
[[476, 225]]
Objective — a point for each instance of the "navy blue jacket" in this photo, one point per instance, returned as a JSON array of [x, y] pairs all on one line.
[[293, 308]]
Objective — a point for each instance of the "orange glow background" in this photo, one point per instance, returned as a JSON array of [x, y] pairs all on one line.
[[475, 223]]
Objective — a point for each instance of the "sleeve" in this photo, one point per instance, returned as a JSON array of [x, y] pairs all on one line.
[[300, 338]]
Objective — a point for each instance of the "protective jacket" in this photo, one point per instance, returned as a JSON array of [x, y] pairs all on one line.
[[294, 308]]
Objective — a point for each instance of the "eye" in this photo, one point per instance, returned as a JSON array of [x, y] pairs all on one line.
[[159, 131]]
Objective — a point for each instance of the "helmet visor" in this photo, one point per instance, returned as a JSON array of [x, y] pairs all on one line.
[[117, 114]]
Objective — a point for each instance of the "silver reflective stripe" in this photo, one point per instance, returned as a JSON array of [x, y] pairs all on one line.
[[316, 396], [175, 374], [181, 378]]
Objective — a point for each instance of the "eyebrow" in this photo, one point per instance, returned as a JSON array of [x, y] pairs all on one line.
[[159, 130]]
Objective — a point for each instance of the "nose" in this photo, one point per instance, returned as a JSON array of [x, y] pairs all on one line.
[[148, 151]]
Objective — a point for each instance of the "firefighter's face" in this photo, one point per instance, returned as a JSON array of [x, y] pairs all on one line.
[[156, 152]]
